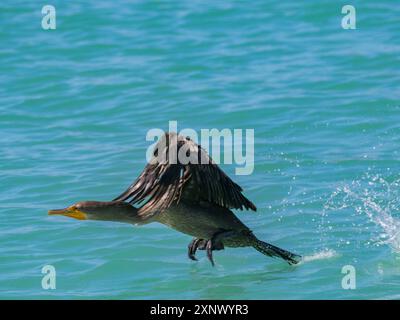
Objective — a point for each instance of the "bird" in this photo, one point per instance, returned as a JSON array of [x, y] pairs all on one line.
[[183, 188]]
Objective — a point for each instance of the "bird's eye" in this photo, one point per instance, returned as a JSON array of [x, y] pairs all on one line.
[[188, 138]]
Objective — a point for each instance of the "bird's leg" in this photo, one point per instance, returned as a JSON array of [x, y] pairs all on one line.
[[215, 243], [193, 246]]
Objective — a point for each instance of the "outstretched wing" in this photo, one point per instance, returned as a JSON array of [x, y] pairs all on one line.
[[180, 168]]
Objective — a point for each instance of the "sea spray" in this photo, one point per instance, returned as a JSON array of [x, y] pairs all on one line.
[[321, 255], [375, 197]]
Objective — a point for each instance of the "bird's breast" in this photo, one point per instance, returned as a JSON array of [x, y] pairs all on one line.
[[198, 221]]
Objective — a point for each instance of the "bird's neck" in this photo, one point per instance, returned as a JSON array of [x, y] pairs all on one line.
[[121, 216]]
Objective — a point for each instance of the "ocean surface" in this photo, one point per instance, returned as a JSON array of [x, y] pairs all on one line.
[[76, 104]]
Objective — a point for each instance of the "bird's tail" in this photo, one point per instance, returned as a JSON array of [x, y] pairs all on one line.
[[272, 251]]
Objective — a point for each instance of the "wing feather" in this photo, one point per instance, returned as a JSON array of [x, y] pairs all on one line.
[[163, 183]]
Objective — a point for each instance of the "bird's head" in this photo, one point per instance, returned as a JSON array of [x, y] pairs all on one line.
[[99, 210]]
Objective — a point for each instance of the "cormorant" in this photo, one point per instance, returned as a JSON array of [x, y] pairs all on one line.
[[183, 188]]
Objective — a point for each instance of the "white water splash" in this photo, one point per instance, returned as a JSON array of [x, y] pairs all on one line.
[[378, 199], [322, 255]]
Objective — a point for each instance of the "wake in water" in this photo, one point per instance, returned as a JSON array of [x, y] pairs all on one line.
[[378, 199], [322, 255]]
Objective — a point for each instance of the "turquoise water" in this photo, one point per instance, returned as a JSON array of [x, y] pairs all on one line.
[[76, 103]]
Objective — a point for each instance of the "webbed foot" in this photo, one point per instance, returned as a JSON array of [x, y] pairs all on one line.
[[215, 243], [194, 245]]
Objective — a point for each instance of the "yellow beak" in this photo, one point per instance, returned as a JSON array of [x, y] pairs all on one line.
[[69, 212]]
